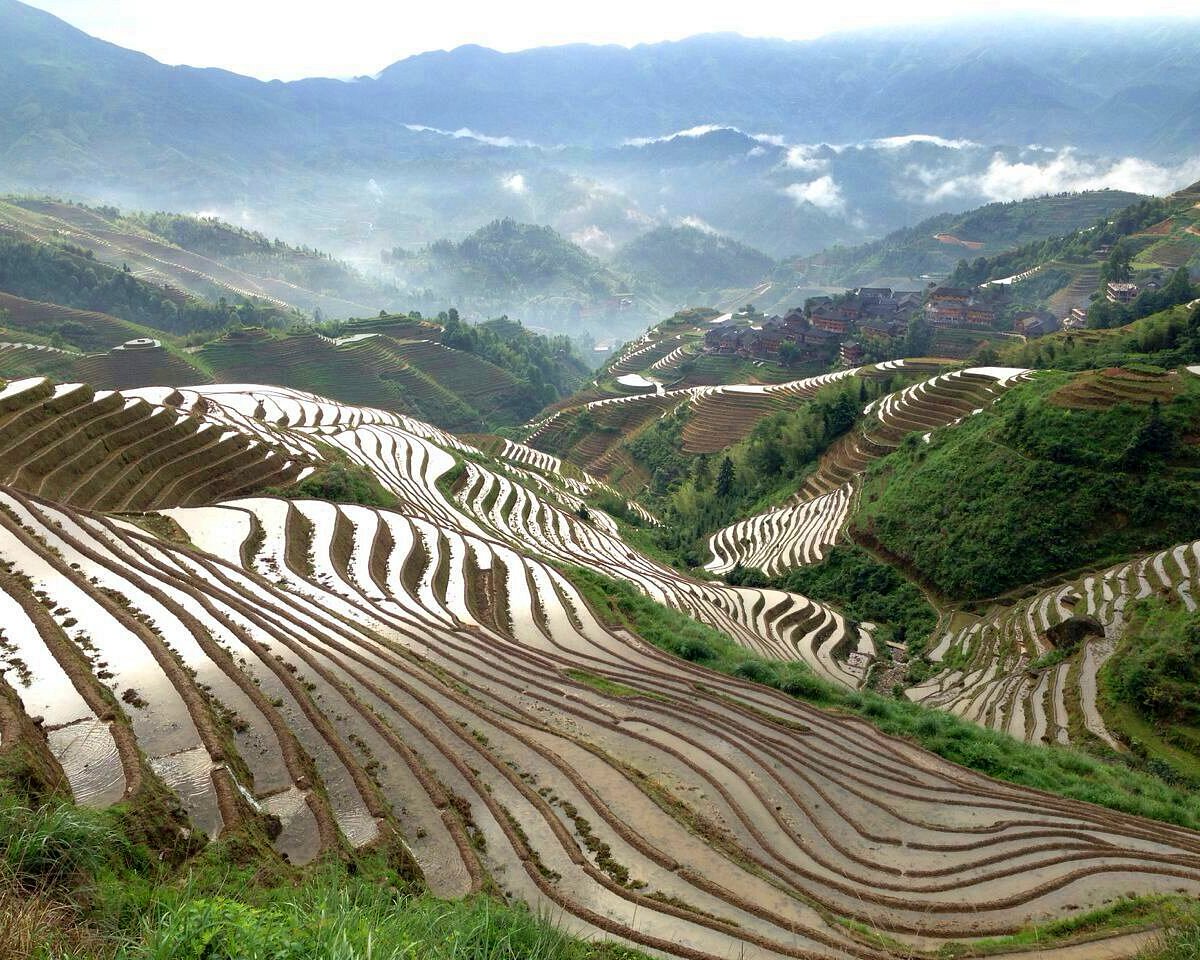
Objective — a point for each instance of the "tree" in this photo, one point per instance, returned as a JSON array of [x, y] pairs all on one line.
[[1154, 436], [918, 338], [1119, 266], [725, 479], [839, 416], [766, 458]]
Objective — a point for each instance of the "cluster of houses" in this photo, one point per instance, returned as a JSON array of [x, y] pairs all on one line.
[[959, 307], [818, 330], [841, 325], [790, 337]]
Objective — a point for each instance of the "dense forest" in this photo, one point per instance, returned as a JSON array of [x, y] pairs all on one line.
[[549, 365], [697, 495], [507, 255]]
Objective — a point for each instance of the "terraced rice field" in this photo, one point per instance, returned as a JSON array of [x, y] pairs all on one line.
[[992, 677], [93, 331], [777, 540], [108, 451], [20, 360], [645, 354], [417, 377], [800, 532], [136, 366], [1085, 280], [718, 417], [724, 415], [358, 671], [1104, 389]]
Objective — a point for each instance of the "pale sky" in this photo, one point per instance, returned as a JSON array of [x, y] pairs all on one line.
[[287, 39]]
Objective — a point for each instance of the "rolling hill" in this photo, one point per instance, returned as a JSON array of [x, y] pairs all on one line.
[[202, 257]]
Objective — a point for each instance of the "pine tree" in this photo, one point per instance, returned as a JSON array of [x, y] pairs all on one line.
[[725, 478]]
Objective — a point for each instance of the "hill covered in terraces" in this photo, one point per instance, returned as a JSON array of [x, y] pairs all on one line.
[[460, 676]]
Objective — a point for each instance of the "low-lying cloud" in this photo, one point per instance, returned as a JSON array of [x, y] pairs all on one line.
[[703, 130], [593, 239], [696, 223], [515, 183], [465, 133], [823, 193], [909, 139], [1063, 171], [805, 157]]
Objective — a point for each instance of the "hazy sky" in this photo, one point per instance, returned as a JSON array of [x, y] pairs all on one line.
[[289, 39]]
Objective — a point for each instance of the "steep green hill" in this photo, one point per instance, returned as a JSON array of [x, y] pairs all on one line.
[[684, 260], [1152, 239], [505, 256], [1061, 474]]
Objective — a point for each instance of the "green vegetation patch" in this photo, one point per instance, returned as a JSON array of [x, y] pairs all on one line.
[[340, 482], [862, 588], [1150, 688], [695, 495], [611, 688], [1166, 339], [1028, 489], [1060, 770]]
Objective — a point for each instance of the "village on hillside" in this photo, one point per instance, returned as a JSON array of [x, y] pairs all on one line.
[[872, 323]]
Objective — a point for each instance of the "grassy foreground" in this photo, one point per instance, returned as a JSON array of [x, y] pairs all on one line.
[[1066, 772], [79, 884]]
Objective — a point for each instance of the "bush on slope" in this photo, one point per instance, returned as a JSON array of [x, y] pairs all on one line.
[[861, 587]]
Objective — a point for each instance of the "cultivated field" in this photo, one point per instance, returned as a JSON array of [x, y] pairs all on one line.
[[427, 670], [800, 532]]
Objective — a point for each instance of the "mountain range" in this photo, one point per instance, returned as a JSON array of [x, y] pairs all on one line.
[[786, 146]]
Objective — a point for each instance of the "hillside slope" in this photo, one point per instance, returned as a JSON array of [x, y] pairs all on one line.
[[202, 257], [936, 245], [425, 671]]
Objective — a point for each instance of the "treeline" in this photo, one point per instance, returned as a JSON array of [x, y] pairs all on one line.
[[209, 236], [548, 364], [1079, 244], [73, 278]]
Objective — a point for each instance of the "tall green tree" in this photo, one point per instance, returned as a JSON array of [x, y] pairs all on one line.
[[725, 478]]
